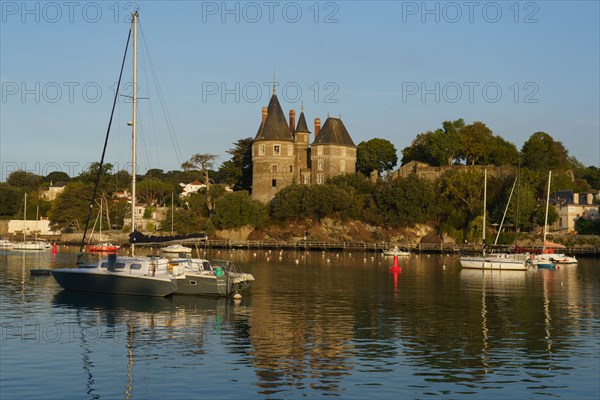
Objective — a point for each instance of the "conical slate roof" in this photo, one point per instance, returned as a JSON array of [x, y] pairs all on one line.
[[334, 132], [275, 126], [302, 127]]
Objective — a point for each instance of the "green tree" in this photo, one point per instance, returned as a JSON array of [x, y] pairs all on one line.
[[375, 154], [463, 190], [57, 176], [542, 152], [70, 209], [476, 139], [24, 180], [237, 209], [11, 198], [440, 147], [153, 192], [237, 172], [406, 201], [89, 175], [502, 152]]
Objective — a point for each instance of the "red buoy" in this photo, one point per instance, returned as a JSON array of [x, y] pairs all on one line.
[[395, 268], [54, 248]]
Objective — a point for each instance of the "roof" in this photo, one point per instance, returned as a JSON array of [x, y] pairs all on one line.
[[275, 126], [334, 132], [302, 127]]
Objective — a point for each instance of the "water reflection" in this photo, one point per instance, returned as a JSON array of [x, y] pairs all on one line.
[[314, 324]]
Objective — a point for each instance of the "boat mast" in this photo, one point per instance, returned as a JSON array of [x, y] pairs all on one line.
[[134, 22], [25, 218], [547, 203], [484, 206]]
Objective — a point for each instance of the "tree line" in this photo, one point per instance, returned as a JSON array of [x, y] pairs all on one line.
[[452, 202]]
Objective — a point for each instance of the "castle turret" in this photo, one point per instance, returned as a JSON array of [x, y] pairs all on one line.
[[332, 152], [272, 153], [302, 139]]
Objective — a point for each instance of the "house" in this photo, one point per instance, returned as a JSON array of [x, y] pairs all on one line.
[[54, 190], [570, 206], [191, 188], [282, 153]]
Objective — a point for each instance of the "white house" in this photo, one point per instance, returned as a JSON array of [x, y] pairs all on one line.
[[570, 206], [191, 188]]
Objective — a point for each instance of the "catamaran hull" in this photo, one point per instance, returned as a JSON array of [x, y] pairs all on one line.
[[482, 263], [89, 281], [204, 285]]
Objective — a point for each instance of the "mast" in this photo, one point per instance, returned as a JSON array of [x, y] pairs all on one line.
[[25, 218], [547, 203], [484, 206], [134, 22]]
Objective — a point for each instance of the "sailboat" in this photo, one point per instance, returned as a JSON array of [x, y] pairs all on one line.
[[150, 276], [496, 261], [27, 245], [102, 247], [548, 258]]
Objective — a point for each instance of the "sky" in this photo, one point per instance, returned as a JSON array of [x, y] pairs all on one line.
[[390, 69]]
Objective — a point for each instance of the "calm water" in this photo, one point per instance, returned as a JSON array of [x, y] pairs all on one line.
[[313, 324]]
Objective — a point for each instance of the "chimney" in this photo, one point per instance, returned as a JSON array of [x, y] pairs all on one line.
[[317, 127], [575, 198], [292, 120], [264, 114], [590, 198]]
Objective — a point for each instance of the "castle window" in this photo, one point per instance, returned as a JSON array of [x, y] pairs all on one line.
[[290, 150], [274, 183], [274, 168], [320, 150], [306, 178], [343, 152], [261, 150], [276, 150], [320, 179], [291, 168], [342, 165], [320, 165]]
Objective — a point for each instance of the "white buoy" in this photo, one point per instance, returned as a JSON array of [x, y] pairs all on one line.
[[237, 296]]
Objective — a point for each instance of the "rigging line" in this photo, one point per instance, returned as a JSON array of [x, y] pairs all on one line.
[[162, 100], [99, 172], [153, 139]]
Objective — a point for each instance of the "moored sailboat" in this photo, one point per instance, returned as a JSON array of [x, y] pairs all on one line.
[[494, 261], [154, 276]]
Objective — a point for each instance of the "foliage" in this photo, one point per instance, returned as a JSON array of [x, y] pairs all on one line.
[[24, 180], [201, 162], [475, 140], [592, 176], [542, 152], [237, 209], [11, 198], [70, 209], [153, 192], [406, 201], [436, 148], [540, 214], [587, 227], [57, 176], [237, 172], [317, 201], [375, 154]]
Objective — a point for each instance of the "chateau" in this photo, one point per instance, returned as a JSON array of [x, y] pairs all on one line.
[[282, 153]]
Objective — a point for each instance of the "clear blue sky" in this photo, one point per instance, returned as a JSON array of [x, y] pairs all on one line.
[[391, 69]]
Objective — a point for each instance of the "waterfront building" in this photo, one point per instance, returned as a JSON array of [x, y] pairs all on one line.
[[282, 153]]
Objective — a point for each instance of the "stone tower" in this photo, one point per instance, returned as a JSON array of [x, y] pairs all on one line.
[[273, 153], [332, 152], [301, 145]]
